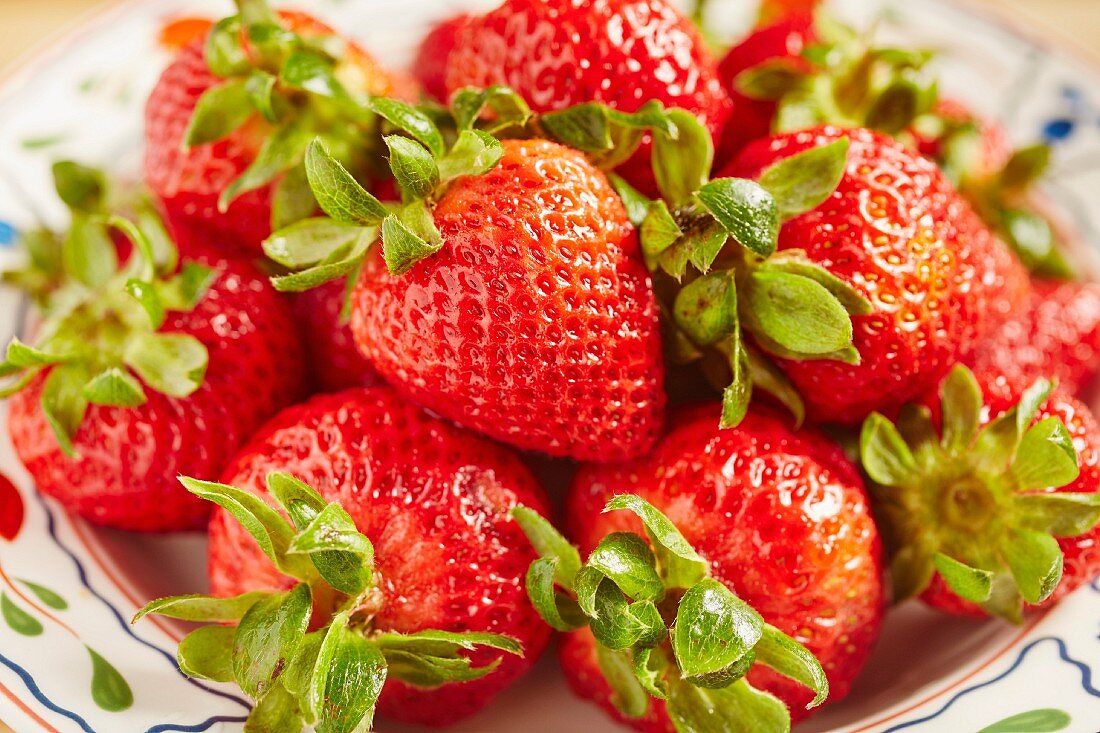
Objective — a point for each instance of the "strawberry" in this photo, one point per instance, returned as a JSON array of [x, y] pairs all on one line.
[[334, 359], [773, 518], [431, 592], [430, 65], [1055, 333], [508, 294], [139, 374], [227, 124], [781, 9], [997, 511], [781, 42], [930, 276], [622, 53]]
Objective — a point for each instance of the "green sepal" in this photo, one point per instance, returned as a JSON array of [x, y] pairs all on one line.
[[225, 55], [706, 308], [738, 708], [474, 153], [312, 72], [682, 163], [508, 108], [548, 542], [635, 203], [1036, 560], [64, 404], [115, 388], [1062, 514], [764, 375], [1025, 167], [649, 670], [22, 356], [171, 363], [786, 656], [278, 710], [1045, 457], [737, 395], [411, 120], [293, 200], [220, 111], [619, 624], [281, 151], [357, 671], [414, 168], [679, 564], [202, 608], [795, 262], [714, 630], [338, 193], [270, 529], [884, 454], [88, 253], [626, 560], [796, 313], [300, 500], [267, 639], [558, 611], [342, 555], [207, 653], [961, 400], [629, 696], [409, 238], [802, 182], [771, 80], [969, 583], [746, 210], [81, 188]]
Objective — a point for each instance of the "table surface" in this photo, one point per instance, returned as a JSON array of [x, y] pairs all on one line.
[[28, 23]]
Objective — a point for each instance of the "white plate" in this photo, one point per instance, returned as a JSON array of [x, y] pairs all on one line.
[[82, 98]]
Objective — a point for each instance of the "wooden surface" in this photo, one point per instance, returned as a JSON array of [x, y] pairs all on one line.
[[24, 24]]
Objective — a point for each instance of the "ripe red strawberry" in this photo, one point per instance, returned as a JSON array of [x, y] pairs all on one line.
[[622, 53], [434, 502], [334, 359], [217, 158], [1000, 514], [430, 65], [513, 301], [780, 518], [1055, 333], [112, 405], [781, 42], [898, 233]]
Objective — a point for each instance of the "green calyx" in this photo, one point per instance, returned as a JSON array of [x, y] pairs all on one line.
[[845, 80], [976, 504], [291, 88], [664, 628], [100, 342], [1002, 198], [712, 246], [330, 677], [429, 148]]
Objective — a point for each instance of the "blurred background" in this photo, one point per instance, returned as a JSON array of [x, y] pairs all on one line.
[[25, 23]]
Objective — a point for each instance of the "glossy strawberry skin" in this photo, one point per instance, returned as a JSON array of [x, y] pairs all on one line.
[[1082, 553], [433, 500], [189, 182], [535, 323], [784, 39], [899, 233], [430, 64], [1053, 334], [623, 53], [783, 520], [129, 458], [335, 362]]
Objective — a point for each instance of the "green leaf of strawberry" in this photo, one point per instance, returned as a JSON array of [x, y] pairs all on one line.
[[694, 654], [961, 505], [330, 678]]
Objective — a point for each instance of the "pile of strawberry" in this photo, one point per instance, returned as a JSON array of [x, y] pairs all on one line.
[[794, 320]]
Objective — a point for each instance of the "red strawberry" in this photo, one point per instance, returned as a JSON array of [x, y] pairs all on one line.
[[513, 301], [898, 233], [113, 405], [622, 53], [1054, 333], [196, 154], [430, 65], [783, 42], [434, 501], [779, 517], [334, 359], [1001, 513]]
